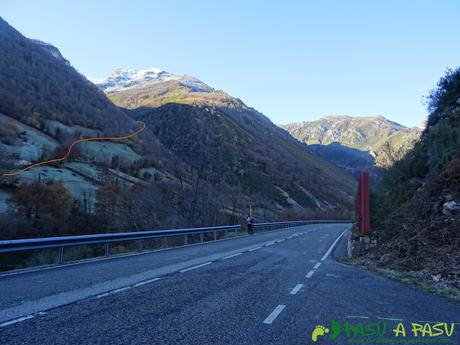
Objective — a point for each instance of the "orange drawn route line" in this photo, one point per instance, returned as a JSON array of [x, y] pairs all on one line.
[[69, 151]]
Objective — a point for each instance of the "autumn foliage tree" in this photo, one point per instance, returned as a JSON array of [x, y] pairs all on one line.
[[46, 206], [109, 202]]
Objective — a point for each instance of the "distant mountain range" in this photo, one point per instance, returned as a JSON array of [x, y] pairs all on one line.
[[203, 159], [356, 143], [353, 143]]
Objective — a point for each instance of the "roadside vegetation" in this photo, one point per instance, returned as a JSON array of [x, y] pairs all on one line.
[[416, 209]]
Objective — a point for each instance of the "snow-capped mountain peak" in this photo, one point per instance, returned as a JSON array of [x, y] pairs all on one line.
[[122, 79]]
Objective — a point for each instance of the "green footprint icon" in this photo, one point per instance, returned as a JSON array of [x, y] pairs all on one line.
[[319, 331]]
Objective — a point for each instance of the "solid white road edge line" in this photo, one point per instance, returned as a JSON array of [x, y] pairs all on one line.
[[121, 289], [332, 246], [274, 314], [20, 319], [317, 266]]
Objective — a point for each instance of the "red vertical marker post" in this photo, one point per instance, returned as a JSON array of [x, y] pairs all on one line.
[[362, 204]]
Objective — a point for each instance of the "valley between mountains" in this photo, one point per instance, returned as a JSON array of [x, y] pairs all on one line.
[[204, 158]]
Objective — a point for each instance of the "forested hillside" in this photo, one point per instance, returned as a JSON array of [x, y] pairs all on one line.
[[202, 160], [416, 209], [45, 104], [36, 85], [230, 143]]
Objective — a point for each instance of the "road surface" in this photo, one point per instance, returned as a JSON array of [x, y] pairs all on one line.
[[270, 288]]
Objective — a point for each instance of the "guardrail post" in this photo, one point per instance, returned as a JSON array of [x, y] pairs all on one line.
[[185, 239], [201, 237], [141, 245], [165, 242], [106, 249], [61, 255], [215, 235]]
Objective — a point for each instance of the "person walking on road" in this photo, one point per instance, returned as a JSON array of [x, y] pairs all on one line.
[[249, 224]]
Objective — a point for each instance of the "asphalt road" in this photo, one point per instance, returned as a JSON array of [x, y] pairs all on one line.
[[270, 288]]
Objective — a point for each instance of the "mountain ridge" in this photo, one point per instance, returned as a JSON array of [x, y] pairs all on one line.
[[203, 159], [161, 104], [383, 140], [124, 78]]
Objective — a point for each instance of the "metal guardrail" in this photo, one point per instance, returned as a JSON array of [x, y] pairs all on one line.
[[61, 242], [282, 225]]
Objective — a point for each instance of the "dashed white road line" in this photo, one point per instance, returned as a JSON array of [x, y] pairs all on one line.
[[309, 274], [296, 289], [251, 250], [317, 266], [146, 282], [195, 267], [269, 244], [274, 314], [232, 256], [112, 292]]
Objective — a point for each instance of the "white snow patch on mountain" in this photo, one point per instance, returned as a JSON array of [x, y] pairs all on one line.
[[123, 79]]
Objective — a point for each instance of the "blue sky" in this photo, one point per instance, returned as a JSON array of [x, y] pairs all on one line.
[[291, 60]]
